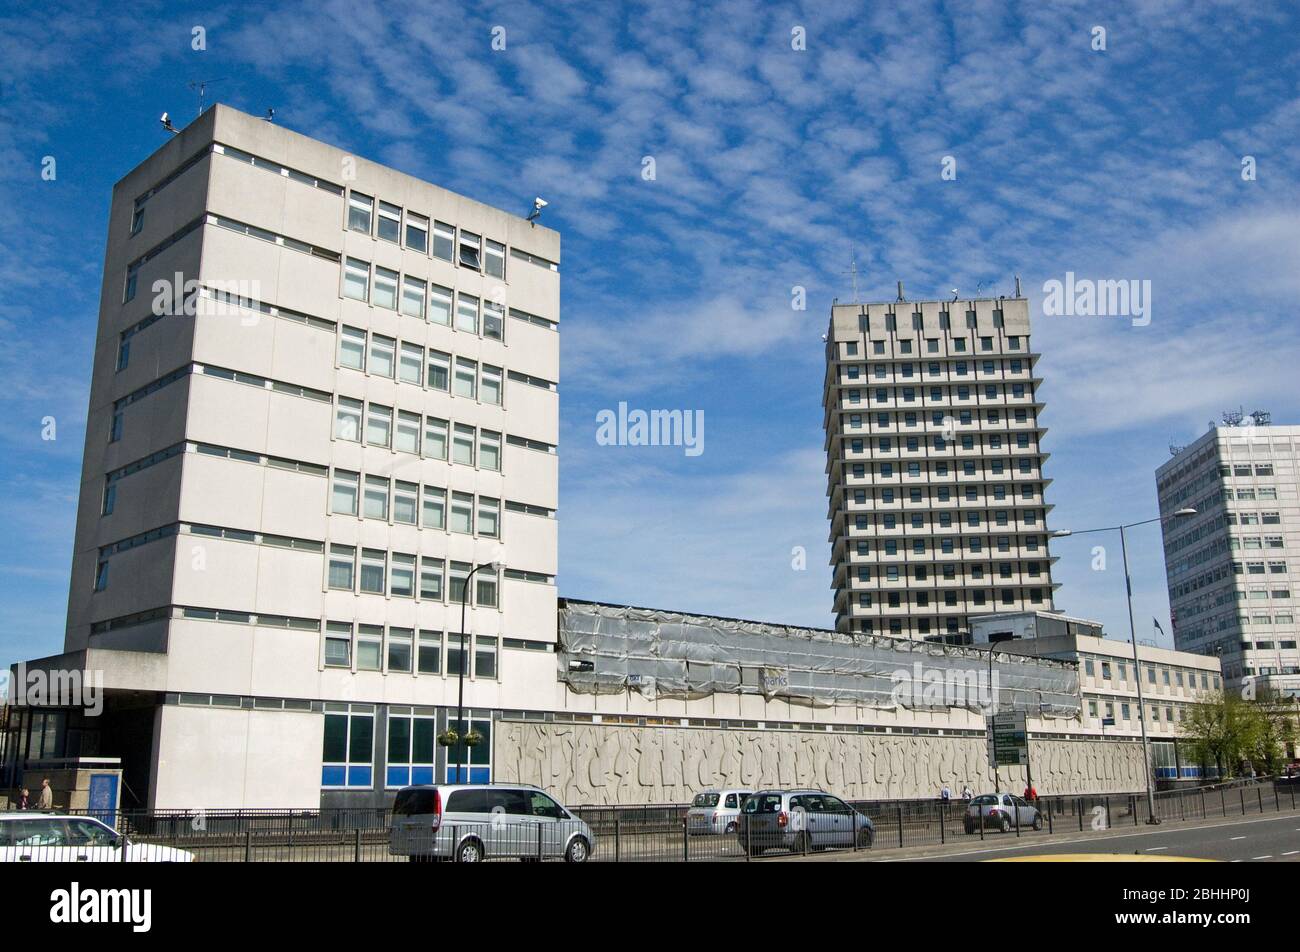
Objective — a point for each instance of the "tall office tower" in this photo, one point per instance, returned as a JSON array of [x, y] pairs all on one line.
[[1232, 567], [934, 466], [324, 392]]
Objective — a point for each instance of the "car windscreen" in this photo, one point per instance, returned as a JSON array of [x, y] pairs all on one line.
[[986, 800], [705, 800], [413, 802], [763, 803]]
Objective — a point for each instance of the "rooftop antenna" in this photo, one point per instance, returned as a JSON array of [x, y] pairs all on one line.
[[853, 270], [901, 299], [1018, 294], [200, 86]]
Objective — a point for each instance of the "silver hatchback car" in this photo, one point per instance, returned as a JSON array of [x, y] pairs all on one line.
[[1001, 811], [801, 820], [469, 823]]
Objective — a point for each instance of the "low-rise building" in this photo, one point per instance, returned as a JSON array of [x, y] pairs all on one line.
[[1171, 681]]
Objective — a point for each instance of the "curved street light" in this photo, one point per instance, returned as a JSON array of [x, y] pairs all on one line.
[[1137, 664], [465, 647]]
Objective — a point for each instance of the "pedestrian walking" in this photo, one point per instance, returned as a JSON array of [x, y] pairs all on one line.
[[46, 801], [945, 794], [967, 793], [25, 799]]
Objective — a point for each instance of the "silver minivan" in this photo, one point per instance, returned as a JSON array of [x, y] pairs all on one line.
[[473, 822], [715, 811]]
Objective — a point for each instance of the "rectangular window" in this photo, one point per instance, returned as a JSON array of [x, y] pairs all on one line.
[[493, 321], [402, 576], [390, 222], [338, 645], [407, 439], [489, 450], [383, 353], [417, 233], [379, 425], [370, 647], [495, 258], [466, 378], [413, 292], [455, 653], [343, 493], [469, 251], [430, 659], [343, 560], [352, 348], [385, 288], [489, 517], [109, 500], [347, 420], [462, 448], [356, 279], [444, 240], [485, 649], [376, 501], [435, 508], [406, 502], [458, 575], [411, 363], [399, 650], [360, 208], [439, 370], [431, 579], [467, 313], [372, 571], [490, 385], [462, 512], [440, 305], [435, 438]]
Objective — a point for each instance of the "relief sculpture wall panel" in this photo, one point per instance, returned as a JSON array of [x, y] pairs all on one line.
[[596, 765]]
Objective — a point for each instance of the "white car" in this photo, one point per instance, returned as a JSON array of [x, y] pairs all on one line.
[[715, 811], [58, 838]]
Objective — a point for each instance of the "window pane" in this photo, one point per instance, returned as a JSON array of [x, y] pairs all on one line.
[[413, 292], [440, 305], [467, 313]]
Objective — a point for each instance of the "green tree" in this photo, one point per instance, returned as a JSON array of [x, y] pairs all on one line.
[[1227, 730]]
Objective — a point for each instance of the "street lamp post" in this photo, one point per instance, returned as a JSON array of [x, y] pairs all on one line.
[[495, 566], [1137, 663]]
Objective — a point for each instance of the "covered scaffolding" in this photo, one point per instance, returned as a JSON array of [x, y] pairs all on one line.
[[608, 649]]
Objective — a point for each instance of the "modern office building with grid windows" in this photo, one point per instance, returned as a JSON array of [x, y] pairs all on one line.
[[324, 393], [934, 466]]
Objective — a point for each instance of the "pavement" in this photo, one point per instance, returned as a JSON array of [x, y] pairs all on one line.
[[1272, 838]]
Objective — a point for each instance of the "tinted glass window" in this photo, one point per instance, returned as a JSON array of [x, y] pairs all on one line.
[[707, 800], [764, 803], [468, 801], [413, 802], [513, 802], [544, 806]]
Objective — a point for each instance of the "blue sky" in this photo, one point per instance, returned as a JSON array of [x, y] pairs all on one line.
[[774, 167]]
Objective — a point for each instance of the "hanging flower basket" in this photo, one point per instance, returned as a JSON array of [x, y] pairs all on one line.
[[473, 738], [448, 738]]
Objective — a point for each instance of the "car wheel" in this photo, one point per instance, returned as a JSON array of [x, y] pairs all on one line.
[[1038, 821], [732, 827], [1005, 826], [866, 839], [578, 851], [471, 851]]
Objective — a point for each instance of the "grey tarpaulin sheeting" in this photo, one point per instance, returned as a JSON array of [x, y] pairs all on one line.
[[608, 649]]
